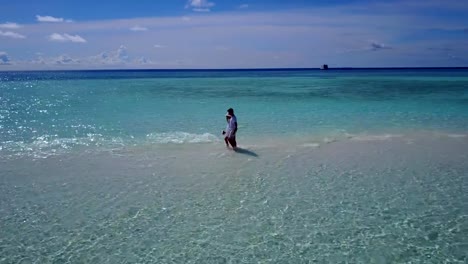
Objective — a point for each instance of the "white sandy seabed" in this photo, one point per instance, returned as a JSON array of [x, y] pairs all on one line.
[[360, 199]]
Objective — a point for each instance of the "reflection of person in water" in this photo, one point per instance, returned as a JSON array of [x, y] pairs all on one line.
[[231, 129]]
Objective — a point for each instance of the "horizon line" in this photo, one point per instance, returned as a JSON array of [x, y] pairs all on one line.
[[247, 69]]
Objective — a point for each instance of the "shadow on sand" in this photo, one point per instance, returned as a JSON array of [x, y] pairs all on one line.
[[246, 152]]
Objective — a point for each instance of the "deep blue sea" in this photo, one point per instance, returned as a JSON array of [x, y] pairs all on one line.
[[336, 166]]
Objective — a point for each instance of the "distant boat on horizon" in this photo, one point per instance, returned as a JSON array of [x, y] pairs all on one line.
[[324, 67]]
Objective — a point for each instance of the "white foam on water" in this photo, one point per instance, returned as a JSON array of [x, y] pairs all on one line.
[[48, 145], [382, 137], [181, 138], [328, 140], [52, 145], [457, 135], [311, 145]]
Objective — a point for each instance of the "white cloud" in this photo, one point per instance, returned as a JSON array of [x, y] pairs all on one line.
[[4, 59], [65, 60], [39, 61], [158, 46], [201, 9], [200, 5], [143, 61], [244, 6], [66, 38], [10, 25], [52, 19], [122, 53], [119, 56], [10, 34], [344, 34], [112, 59], [138, 28]]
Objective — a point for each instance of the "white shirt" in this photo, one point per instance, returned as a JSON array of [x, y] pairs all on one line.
[[231, 126]]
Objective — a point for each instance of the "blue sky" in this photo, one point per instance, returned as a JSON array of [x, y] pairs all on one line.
[[38, 35]]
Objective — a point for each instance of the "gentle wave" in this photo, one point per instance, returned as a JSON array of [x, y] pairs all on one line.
[[375, 137], [334, 137], [181, 137], [383, 137], [457, 135], [49, 145]]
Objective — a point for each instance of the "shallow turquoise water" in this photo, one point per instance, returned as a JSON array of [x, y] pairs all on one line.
[[131, 106], [352, 166]]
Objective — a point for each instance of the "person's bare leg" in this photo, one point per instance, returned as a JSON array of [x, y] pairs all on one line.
[[233, 142]]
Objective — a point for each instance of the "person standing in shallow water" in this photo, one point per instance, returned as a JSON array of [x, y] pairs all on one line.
[[231, 129], [228, 118]]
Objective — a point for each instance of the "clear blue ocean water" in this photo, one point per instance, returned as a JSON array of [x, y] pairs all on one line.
[[337, 166], [56, 110]]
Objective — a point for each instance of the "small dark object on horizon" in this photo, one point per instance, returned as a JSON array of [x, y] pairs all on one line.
[[324, 67]]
